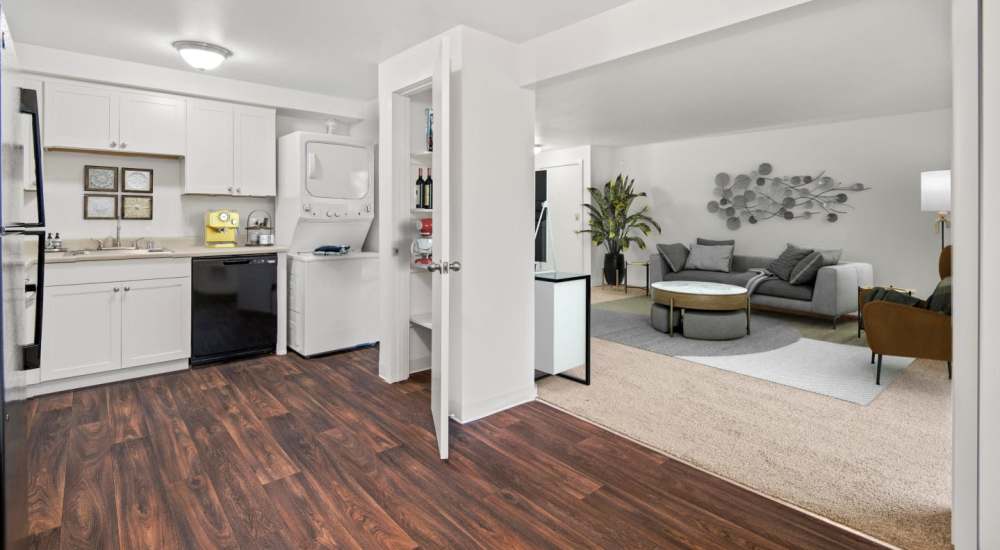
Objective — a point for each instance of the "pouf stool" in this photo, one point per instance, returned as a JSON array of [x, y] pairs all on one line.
[[658, 315], [715, 325]]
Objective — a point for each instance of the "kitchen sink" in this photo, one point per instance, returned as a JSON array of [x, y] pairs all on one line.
[[116, 251]]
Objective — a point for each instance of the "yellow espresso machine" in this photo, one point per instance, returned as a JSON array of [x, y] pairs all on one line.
[[220, 228]]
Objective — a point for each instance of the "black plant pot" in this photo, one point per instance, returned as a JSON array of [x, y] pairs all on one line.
[[614, 269]]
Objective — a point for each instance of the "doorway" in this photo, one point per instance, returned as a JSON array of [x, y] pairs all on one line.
[[560, 244]]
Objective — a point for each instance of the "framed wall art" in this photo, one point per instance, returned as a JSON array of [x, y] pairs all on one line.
[[137, 180], [100, 207], [102, 179], [137, 207]]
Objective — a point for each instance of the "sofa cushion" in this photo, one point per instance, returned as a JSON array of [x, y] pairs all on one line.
[[674, 254], [738, 278], [746, 263], [784, 289], [786, 262], [710, 242], [710, 258]]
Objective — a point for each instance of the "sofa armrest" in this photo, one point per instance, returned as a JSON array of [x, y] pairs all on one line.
[[907, 331], [657, 267], [836, 290]]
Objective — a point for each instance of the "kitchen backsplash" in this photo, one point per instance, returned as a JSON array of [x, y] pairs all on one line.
[[174, 214]]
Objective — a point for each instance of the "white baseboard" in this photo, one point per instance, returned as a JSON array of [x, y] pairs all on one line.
[[96, 379], [496, 404]]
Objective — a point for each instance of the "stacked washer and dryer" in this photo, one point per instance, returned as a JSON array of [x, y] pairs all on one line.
[[326, 197]]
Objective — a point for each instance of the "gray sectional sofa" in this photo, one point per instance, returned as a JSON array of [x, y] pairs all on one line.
[[833, 294]]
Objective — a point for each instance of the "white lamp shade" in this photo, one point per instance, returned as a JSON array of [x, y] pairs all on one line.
[[935, 191]]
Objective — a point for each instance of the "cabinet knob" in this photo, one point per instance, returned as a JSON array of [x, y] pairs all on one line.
[[116, 289], [239, 189], [128, 288], [230, 189], [114, 143], [122, 145]]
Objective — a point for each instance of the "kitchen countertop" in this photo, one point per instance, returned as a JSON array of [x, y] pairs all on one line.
[[173, 248]]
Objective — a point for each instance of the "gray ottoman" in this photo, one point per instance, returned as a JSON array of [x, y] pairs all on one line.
[[715, 325], [658, 315]]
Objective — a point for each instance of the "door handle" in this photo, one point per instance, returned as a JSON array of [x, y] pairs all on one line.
[[434, 267], [29, 106], [310, 165], [453, 266]]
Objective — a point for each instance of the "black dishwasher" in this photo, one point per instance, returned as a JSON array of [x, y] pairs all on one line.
[[234, 307]]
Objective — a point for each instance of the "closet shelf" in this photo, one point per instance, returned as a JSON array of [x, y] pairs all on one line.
[[423, 158], [423, 320]]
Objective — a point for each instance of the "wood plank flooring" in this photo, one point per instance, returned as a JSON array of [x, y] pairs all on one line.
[[284, 452]]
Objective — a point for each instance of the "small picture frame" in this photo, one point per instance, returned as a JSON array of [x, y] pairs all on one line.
[[137, 180], [137, 207], [100, 207], [102, 179]]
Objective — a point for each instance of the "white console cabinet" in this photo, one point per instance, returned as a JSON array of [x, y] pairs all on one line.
[[105, 316]]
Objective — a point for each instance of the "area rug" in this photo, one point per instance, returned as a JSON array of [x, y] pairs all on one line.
[[774, 350], [836, 370], [884, 469]]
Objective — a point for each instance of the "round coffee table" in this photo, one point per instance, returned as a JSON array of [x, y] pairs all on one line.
[[702, 296]]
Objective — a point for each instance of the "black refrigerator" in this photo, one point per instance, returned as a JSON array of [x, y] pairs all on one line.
[[22, 279]]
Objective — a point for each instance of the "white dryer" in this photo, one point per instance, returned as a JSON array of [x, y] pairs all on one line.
[[326, 192], [326, 196]]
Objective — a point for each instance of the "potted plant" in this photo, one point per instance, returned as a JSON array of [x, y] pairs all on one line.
[[614, 224]]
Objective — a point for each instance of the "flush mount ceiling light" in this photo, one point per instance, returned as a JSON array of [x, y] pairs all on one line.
[[201, 55]]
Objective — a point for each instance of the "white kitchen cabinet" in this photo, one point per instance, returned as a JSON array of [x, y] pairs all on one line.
[[255, 151], [208, 163], [107, 315], [82, 331], [104, 118], [231, 150], [157, 321], [151, 123], [80, 116]]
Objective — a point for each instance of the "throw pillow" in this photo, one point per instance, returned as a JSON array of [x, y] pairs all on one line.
[[710, 242], [805, 271], [710, 258], [940, 299], [782, 267], [675, 255]]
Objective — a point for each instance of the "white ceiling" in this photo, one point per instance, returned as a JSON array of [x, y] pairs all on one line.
[[325, 46], [826, 60]]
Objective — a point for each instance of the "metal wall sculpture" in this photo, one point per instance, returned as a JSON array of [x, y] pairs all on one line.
[[758, 196]]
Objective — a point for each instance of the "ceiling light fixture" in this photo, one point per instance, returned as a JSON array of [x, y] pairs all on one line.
[[201, 55]]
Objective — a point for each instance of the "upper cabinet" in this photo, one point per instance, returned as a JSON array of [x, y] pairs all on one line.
[[255, 151], [151, 123], [102, 118], [231, 150]]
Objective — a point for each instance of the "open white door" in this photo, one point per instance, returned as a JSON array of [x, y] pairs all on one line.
[[440, 340]]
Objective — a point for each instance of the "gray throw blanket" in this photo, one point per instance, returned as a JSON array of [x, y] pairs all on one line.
[[761, 276]]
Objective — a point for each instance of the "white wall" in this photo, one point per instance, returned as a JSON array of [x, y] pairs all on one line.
[[174, 214], [886, 228]]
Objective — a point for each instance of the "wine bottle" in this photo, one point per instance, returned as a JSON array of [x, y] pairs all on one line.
[[429, 116], [429, 190], [420, 188]]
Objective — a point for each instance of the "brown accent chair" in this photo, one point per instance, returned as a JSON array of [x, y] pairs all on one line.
[[909, 331]]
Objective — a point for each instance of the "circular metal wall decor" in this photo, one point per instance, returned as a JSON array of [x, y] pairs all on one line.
[[758, 196]]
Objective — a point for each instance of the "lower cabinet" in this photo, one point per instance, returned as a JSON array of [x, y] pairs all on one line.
[[96, 327]]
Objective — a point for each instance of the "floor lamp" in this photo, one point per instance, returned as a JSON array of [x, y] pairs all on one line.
[[935, 196]]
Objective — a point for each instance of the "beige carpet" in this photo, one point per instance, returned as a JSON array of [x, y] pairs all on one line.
[[884, 469]]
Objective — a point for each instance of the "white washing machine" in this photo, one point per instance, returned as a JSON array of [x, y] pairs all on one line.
[[326, 196]]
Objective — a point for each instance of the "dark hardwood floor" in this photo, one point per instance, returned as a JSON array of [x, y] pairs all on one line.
[[284, 452]]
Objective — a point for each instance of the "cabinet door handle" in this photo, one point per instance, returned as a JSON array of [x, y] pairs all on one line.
[[239, 189], [114, 143], [122, 145], [116, 289], [230, 189], [128, 288]]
